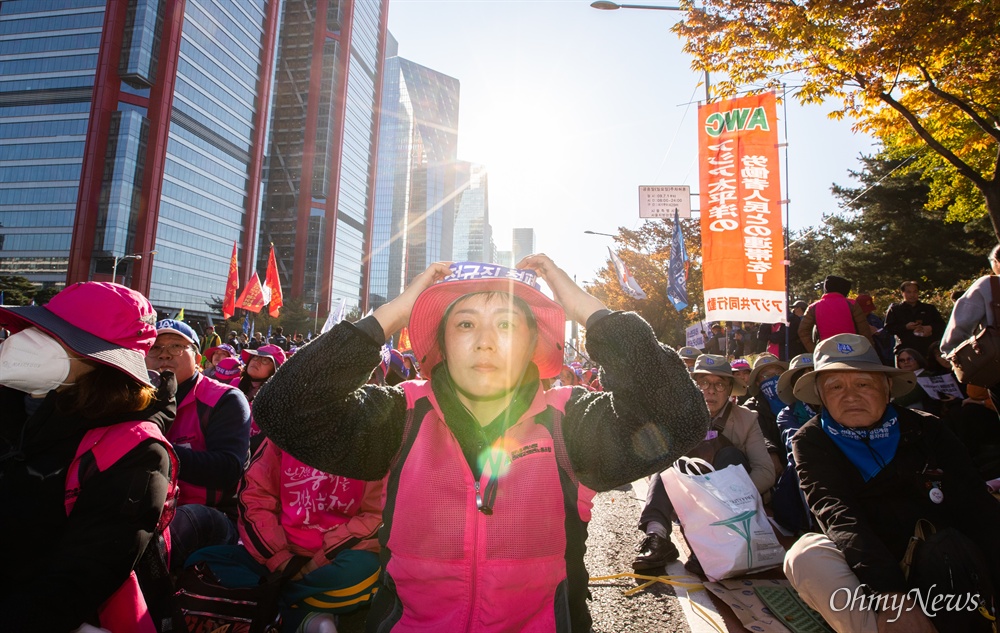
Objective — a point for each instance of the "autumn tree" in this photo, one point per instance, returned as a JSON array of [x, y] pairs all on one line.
[[646, 253], [923, 75]]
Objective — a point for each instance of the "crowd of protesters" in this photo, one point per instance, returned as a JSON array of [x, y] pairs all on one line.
[[448, 487]]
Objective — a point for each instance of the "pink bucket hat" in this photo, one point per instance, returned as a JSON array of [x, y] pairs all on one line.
[[275, 353], [472, 277], [225, 347], [106, 322]]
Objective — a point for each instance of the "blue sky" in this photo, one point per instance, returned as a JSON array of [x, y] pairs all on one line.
[[571, 109]]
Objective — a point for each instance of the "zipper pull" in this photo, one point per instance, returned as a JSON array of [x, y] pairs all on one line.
[[479, 503]]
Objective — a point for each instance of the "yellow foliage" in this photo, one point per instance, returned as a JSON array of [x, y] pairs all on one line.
[[918, 74]]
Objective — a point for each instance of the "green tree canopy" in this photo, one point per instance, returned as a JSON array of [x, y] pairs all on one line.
[[922, 75], [887, 235], [17, 291]]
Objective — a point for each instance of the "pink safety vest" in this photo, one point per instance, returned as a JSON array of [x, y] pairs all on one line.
[[455, 568], [187, 431], [833, 315], [125, 611]]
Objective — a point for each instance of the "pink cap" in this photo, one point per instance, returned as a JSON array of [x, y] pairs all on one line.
[[275, 353], [107, 322], [227, 369]]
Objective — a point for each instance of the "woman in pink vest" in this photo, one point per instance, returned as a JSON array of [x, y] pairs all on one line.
[[289, 510], [833, 314], [85, 472], [490, 476]]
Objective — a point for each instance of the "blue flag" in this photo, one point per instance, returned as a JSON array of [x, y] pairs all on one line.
[[246, 323], [677, 289]]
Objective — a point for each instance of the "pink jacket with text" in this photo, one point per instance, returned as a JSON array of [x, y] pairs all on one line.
[[290, 509]]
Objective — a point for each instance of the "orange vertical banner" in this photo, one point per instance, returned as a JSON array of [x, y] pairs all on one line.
[[741, 233]]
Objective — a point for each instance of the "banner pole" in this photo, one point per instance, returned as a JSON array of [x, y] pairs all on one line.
[[788, 246]]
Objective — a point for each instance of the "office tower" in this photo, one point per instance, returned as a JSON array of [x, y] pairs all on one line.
[[130, 126], [524, 243], [505, 258], [473, 233], [321, 167], [417, 185]]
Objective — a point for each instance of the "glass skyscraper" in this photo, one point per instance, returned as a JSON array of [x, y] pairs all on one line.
[[129, 126], [523, 244], [320, 170], [417, 186], [473, 233]]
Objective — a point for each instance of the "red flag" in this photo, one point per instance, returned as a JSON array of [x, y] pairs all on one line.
[[404, 341], [252, 298], [232, 285], [273, 284]]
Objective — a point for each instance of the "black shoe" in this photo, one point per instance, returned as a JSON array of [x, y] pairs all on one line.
[[655, 552], [693, 566]]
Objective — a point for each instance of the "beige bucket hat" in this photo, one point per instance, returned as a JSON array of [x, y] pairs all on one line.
[[800, 365], [762, 361], [849, 352]]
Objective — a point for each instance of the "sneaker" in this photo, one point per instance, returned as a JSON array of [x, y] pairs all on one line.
[[318, 623], [655, 552]]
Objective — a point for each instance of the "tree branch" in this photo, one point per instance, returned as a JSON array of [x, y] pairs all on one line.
[[963, 168], [960, 104]]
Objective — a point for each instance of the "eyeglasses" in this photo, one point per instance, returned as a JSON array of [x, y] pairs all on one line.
[[717, 387], [174, 349]]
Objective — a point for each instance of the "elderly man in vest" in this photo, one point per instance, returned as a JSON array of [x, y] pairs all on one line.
[[872, 475], [742, 442], [211, 435]]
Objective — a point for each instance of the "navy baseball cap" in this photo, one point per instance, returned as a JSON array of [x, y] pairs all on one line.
[[173, 326]]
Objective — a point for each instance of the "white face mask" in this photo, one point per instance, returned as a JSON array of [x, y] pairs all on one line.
[[33, 362]]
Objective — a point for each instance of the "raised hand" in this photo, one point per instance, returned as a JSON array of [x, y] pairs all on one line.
[[577, 303], [394, 315]]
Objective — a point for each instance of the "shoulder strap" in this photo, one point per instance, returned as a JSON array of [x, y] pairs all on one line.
[[559, 442], [995, 298], [414, 416], [720, 423]]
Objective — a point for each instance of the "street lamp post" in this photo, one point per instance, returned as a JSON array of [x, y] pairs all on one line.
[[604, 5], [136, 256], [596, 233]]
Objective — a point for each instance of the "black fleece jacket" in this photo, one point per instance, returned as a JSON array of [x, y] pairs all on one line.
[[58, 570], [318, 408], [871, 522]]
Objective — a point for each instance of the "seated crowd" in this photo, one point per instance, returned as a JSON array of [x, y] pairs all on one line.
[[133, 449]]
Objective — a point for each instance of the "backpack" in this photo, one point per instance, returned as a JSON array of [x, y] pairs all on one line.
[[947, 563], [204, 605]]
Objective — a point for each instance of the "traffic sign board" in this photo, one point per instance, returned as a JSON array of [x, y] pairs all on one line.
[[660, 201]]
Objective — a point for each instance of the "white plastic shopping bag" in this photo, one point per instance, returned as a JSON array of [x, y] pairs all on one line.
[[723, 518]]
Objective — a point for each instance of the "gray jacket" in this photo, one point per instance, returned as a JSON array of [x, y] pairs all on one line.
[[971, 311]]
